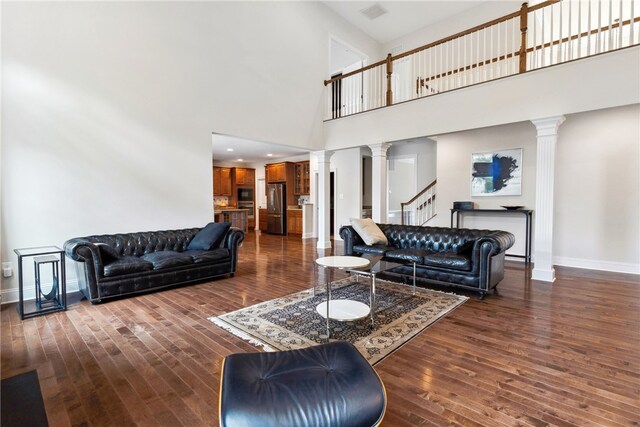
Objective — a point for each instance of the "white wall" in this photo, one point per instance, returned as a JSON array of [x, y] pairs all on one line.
[[425, 149], [597, 204], [597, 195], [454, 177], [484, 12], [109, 107], [347, 167]]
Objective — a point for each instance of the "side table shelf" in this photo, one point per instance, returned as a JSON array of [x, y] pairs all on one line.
[[46, 301]]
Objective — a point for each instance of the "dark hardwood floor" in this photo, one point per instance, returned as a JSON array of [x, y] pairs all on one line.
[[534, 354]]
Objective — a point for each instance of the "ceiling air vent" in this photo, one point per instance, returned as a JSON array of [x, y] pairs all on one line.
[[373, 12]]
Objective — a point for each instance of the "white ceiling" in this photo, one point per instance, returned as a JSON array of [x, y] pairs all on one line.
[[403, 17], [249, 151]]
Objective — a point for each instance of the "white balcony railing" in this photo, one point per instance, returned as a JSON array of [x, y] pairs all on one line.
[[533, 37]]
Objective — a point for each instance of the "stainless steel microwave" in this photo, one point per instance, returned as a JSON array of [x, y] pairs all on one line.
[[245, 194]]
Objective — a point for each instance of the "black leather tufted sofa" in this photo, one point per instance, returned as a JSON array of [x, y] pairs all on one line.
[[119, 264], [471, 259]]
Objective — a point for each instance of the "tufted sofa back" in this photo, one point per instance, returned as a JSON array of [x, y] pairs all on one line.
[[435, 239], [138, 244]]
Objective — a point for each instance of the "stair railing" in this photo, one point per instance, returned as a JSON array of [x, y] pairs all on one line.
[[421, 208], [533, 37]]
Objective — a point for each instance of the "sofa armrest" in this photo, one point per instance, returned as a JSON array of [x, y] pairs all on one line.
[[232, 241], [488, 255], [84, 251], [350, 238], [500, 242]]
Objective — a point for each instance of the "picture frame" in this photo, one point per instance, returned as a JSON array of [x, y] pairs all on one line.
[[496, 173]]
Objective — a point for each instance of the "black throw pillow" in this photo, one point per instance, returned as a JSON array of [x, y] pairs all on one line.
[[209, 237]]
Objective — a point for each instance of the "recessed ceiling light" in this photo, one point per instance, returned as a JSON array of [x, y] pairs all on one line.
[[269, 155], [229, 149], [240, 160]]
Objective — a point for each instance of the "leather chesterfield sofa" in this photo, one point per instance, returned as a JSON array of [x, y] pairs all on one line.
[[113, 265], [470, 259]]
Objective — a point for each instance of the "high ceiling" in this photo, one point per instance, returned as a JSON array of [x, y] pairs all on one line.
[[249, 151], [402, 17]]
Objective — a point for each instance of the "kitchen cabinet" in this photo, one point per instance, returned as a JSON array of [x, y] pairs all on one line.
[[262, 221], [302, 179], [245, 177], [276, 172], [221, 181], [294, 221]]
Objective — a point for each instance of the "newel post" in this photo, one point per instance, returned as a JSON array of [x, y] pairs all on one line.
[[389, 72], [524, 13]]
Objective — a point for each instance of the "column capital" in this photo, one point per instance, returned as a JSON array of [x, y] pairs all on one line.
[[323, 156], [548, 125], [379, 150]]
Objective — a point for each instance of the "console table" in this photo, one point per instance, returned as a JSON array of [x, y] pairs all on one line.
[[527, 213]]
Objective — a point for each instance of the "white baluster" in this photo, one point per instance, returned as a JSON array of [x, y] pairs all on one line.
[[610, 42], [599, 37], [570, 40], [560, 58], [579, 53], [631, 24], [620, 21]]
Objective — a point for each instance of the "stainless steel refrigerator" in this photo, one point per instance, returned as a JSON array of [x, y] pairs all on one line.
[[276, 209]]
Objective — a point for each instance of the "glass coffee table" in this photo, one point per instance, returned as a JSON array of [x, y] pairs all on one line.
[[378, 264], [366, 265], [343, 309]]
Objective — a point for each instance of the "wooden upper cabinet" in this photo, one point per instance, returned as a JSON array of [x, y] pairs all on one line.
[[245, 177], [221, 181], [276, 172], [306, 178], [225, 181], [216, 181], [302, 178]]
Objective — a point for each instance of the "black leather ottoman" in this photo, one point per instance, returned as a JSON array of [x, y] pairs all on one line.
[[326, 385]]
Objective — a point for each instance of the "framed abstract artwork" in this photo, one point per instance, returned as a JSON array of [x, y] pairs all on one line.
[[497, 173]]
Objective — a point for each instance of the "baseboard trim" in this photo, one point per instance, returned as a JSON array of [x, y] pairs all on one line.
[[12, 295], [591, 264], [543, 275]]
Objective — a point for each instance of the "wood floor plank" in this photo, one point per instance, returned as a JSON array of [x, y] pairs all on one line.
[[534, 354]]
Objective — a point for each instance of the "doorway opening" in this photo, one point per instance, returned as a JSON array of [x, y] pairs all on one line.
[[332, 212]]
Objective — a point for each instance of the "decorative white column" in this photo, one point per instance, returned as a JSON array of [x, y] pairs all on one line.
[[324, 163], [379, 182], [547, 138]]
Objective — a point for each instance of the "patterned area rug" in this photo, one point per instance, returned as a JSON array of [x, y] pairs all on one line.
[[291, 322]]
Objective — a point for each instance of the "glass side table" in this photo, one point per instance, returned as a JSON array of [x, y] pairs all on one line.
[[50, 295]]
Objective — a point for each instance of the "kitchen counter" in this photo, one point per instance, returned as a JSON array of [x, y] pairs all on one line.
[[237, 217], [219, 210]]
